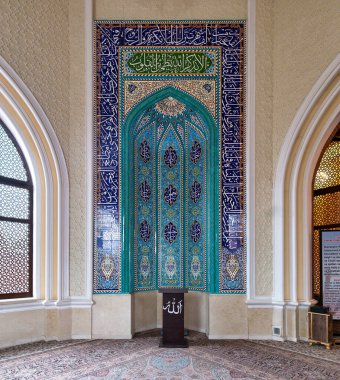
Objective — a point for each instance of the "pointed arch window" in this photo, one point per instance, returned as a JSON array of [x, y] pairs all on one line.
[[16, 220]]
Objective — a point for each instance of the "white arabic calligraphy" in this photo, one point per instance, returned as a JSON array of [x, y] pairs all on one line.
[[173, 310]]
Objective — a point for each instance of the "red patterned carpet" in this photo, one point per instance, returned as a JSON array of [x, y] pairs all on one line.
[[141, 358]]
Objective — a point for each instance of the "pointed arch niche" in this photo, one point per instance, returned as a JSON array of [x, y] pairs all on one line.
[[33, 132], [166, 118], [164, 146], [292, 203], [326, 208]]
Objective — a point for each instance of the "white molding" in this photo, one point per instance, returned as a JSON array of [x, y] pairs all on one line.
[[88, 5], [278, 338], [83, 336], [111, 336], [21, 305], [62, 180], [250, 151], [284, 158], [260, 303], [76, 302], [260, 337], [16, 342], [227, 336]]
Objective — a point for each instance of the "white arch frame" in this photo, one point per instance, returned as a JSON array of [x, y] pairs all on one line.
[[60, 170], [281, 176]]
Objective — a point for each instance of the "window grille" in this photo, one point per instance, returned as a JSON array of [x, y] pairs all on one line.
[[16, 220]]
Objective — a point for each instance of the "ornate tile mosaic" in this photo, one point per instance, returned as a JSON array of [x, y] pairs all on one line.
[[169, 75], [202, 90]]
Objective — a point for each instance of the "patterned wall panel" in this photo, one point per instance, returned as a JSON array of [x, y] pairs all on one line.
[[145, 204], [196, 208], [170, 213], [205, 60]]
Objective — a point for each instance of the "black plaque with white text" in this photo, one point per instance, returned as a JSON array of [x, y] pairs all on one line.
[[330, 271], [173, 318]]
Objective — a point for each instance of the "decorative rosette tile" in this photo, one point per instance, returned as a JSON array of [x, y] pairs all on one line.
[[170, 232], [170, 157], [170, 266], [232, 267], [145, 267], [195, 231], [195, 191], [145, 230], [107, 266], [170, 194], [144, 151], [195, 152], [195, 267], [145, 191]]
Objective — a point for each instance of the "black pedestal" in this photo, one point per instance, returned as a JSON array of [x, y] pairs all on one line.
[[173, 318]]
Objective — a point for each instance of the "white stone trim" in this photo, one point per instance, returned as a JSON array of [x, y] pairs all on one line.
[[75, 303], [24, 304], [260, 303], [260, 337], [227, 336], [62, 180], [110, 336], [279, 181], [250, 151]]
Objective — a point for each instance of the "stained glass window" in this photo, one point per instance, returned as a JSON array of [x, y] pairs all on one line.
[[16, 220]]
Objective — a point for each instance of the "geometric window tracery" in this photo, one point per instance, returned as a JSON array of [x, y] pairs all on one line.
[[16, 220], [326, 203]]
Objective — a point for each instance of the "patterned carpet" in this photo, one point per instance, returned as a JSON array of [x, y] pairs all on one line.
[[141, 358]]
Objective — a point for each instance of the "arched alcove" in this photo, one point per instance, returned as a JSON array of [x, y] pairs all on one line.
[[292, 211], [34, 134], [326, 217], [181, 116], [176, 111]]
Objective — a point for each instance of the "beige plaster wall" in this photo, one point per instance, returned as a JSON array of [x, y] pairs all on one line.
[[263, 147], [77, 152], [34, 41], [112, 316], [44, 324], [58, 324], [171, 10], [21, 327], [144, 311], [228, 316], [81, 320], [260, 323], [306, 40], [295, 42], [196, 311]]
